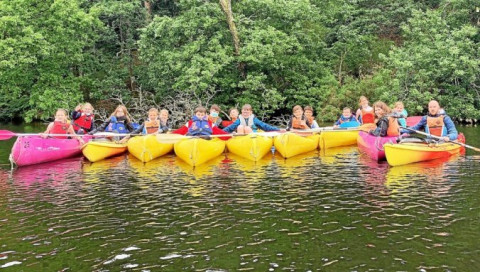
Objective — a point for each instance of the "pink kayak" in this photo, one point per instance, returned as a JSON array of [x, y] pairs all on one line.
[[373, 145], [30, 150], [413, 120]]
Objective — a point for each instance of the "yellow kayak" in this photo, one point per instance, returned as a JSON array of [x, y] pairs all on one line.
[[291, 144], [252, 147], [147, 148], [405, 153], [336, 138], [196, 151], [96, 151]]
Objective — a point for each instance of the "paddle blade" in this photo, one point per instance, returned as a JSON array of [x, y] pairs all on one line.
[[170, 138], [6, 134], [350, 124]]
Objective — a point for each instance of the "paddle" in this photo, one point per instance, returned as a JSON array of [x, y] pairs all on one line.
[[440, 138], [174, 138], [6, 134]]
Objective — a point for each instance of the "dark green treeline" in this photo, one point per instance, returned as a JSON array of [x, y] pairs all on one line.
[[272, 54]]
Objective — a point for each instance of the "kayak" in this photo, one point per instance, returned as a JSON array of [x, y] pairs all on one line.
[[95, 151], [30, 150], [147, 148], [336, 138], [413, 120], [373, 145], [406, 153], [196, 151], [252, 147], [291, 144]]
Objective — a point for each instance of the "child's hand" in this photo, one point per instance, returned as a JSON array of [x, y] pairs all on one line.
[[43, 135], [78, 108]]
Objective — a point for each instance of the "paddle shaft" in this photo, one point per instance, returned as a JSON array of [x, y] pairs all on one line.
[[440, 138], [6, 134]]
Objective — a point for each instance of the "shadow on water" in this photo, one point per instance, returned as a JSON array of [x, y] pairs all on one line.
[[331, 210]]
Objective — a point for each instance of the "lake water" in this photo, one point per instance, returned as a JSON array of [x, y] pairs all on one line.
[[332, 210]]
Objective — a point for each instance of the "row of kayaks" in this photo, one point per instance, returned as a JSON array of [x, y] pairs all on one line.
[[196, 151]]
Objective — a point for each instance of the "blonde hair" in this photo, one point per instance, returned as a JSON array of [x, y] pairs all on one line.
[[361, 98], [399, 103], [153, 110], [383, 106], [87, 104], [164, 110], [125, 111]]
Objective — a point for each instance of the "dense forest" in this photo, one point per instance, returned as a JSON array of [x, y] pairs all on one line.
[[272, 54]]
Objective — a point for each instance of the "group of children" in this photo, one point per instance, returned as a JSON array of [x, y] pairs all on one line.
[[388, 122]]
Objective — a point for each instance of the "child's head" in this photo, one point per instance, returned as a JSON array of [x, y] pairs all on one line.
[[200, 112], [164, 114], [246, 110], [381, 109], [308, 111], [214, 110], [233, 113], [363, 101], [153, 114], [87, 108], [121, 111], [297, 111], [347, 112], [61, 115], [399, 107]]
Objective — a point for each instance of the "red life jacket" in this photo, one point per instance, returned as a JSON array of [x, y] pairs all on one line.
[[226, 123], [152, 126], [435, 125], [368, 117], [83, 122], [60, 128]]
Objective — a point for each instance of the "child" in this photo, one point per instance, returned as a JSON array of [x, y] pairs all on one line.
[[247, 123], [60, 126], [233, 114], [386, 125], [83, 118], [298, 120], [213, 117], [152, 125], [118, 122], [164, 124], [199, 125], [365, 113], [346, 116], [311, 119], [400, 113]]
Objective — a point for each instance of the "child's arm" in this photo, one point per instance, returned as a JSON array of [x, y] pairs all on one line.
[[47, 131], [232, 127], [264, 126]]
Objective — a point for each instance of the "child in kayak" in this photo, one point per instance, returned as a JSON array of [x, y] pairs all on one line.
[[400, 113], [365, 114], [308, 111], [199, 125], [386, 125], [298, 120], [248, 123], [83, 118], [153, 124], [60, 125], [213, 116], [346, 116], [164, 123], [233, 114], [118, 122]]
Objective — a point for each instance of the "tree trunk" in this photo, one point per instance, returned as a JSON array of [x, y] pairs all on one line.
[[227, 9], [148, 6]]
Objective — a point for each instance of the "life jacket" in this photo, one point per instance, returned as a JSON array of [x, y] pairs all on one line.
[[393, 127], [60, 128], [117, 126], [310, 119], [199, 127], [83, 122], [226, 123], [249, 122], [213, 120], [151, 126], [297, 123], [343, 119], [368, 116], [435, 125]]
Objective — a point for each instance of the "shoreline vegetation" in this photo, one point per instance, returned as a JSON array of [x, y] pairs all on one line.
[[270, 54]]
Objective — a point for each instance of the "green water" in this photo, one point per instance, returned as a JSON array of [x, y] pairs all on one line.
[[323, 211]]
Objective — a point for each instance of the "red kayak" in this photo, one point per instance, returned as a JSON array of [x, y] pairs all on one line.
[[30, 150], [373, 145], [413, 120]]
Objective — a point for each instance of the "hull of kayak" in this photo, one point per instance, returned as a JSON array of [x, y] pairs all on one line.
[[291, 144], [413, 120], [34, 149], [197, 151], [252, 147], [147, 148], [336, 138], [373, 145], [406, 153], [96, 151]]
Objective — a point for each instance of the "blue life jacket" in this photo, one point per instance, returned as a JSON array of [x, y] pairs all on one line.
[[116, 126], [199, 127]]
